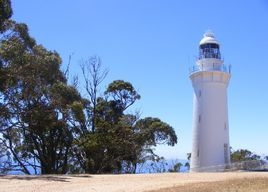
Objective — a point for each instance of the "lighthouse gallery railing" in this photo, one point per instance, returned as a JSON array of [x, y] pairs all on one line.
[[223, 68]]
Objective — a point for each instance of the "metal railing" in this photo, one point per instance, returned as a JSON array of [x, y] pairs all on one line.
[[223, 68]]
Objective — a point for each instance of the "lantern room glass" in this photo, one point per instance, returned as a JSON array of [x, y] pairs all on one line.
[[209, 50]]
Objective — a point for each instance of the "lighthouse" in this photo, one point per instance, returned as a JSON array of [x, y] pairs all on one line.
[[210, 79]]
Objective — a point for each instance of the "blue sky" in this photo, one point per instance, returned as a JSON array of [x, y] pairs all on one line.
[[152, 44]]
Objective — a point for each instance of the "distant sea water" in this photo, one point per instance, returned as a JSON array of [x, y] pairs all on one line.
[[161, 166], [147, 167]]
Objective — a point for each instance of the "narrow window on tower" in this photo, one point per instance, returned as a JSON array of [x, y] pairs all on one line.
[[199, 118], [199, 93], [225, 125], [198, 153]]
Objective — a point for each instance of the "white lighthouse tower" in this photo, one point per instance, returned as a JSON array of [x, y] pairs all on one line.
[[210, 78]]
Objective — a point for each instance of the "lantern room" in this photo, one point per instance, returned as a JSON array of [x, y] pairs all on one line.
[[209, 47]]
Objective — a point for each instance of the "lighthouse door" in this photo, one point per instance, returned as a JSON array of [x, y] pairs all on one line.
[[226, 155]]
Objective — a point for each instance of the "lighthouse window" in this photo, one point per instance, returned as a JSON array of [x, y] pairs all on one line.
[[199, 118], [199, 93], [225, 125], [209, 45], [198, 153], [209, 50]]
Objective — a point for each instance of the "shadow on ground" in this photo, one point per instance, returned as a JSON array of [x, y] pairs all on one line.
[[58, 178]]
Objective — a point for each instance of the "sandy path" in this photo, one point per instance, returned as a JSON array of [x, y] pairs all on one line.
[[113, 183]]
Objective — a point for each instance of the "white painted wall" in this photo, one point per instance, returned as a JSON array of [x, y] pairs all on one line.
[[210, 119]]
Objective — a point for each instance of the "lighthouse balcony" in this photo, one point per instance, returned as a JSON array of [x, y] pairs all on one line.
[[199, 68]]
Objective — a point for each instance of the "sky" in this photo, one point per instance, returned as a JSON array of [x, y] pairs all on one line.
[[153, 43]]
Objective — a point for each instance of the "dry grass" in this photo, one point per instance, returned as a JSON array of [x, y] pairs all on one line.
[[237, 185]]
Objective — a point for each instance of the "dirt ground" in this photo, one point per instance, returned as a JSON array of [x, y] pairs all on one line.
[[168, 182]]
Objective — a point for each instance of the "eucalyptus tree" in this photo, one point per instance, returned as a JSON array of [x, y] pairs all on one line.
[[38, 109], [122, 140], [241, 155], [93, 75]]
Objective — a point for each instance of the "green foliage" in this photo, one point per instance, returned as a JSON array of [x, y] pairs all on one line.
[[243, 155], [122, 92], [189, 155], [153, 131], [176, 167], [5, 12], [187, 164], [244, 159], [121, 141]]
